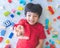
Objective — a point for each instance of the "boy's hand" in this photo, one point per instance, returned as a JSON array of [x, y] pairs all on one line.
[[19, 30]]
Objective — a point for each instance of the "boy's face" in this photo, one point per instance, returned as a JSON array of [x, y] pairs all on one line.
[[32, 18]]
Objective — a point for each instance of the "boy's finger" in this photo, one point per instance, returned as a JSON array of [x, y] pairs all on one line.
[[14, 28]]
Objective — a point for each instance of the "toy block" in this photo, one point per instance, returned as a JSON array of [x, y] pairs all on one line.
[[20, 8], [48, 32], [10, 1], [23, 2], [8, 46], [3, 32], [51, 10], [12, 15], [6, 13], [47, 43], [1, 38], [18, 13], [11, 35], [46, 21], [55, 36], [13, 10], [52, 42], [7, 41], [52, 46], [49, 0], [7, 23], [57, 41], [58, 17]]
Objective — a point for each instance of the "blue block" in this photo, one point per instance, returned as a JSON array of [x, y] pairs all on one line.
[[3, 32], [12, 23], [12, 15], [11, 35], [22, 2], [31, 0], [7, 23], [46, 27], [51, 41], [46, 21], [47, 47]]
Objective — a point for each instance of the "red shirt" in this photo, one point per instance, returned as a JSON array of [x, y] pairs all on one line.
[[34, 32]]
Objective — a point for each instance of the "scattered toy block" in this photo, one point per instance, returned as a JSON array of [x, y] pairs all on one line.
[[11, 35], [6, 13], [10, 1], [7, 41], [3, 32], [18, 13], [1, 38], [7, 23], [20, 8], [51, 10], [8, 46], [23, 2], [12, 15]]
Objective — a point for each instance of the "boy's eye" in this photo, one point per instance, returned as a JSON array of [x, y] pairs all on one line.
[[35, 16], [29, 15]]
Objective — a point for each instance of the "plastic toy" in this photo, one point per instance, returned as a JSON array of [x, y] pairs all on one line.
[[7, 41], [48, 32], [13, 10], [58, 17], [11, 35], [49, 0], [7, 23], [6, 13], [23, 2], [9, 1], [8, 46], [51, 10], [20, 8], [18, 13], [52, 46], [57, 41], [1, 38], [3, 32], [47, 43], [51, 41], [12, 15], [55, 36]]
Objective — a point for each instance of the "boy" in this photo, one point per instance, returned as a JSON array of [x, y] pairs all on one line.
[[30, 28]]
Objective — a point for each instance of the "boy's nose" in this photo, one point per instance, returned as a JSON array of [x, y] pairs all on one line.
[[32, 17]]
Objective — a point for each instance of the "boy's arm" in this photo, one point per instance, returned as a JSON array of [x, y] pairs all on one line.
[[41, 42]]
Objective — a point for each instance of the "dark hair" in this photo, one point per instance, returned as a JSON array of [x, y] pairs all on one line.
[[36, 8]]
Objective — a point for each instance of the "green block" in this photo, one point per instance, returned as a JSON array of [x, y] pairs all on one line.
[[6, 13], [55, 36], [18, 13]]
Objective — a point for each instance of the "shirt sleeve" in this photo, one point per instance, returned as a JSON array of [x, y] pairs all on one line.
[[21, 22], [42, 34]]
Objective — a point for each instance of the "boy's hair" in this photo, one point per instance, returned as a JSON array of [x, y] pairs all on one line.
[[36, 8]]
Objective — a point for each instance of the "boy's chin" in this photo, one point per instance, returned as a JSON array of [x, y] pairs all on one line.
[[32, 23]]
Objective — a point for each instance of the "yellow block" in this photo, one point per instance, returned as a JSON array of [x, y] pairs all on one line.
[[57, 41], [7, 41], [20, 8]]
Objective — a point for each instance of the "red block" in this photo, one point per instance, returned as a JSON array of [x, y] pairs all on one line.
[[1, 38], [9, 1], [51, 9], [8, 46], [58, 17], [52, 46], [48, 32], [47, 43]]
